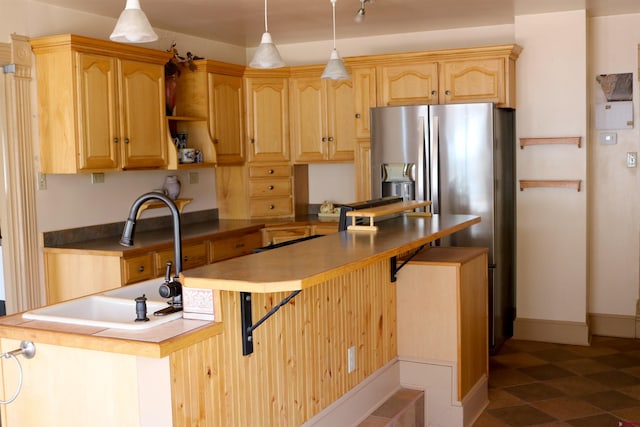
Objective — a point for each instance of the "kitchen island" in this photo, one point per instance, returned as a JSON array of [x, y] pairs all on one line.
[[298, 369]]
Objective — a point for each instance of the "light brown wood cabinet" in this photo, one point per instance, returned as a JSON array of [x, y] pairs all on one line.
[[364, 97], [76, 273], [446, 288], [101, 105], [273, 234], [408, 83], [321, 117], [362, 170], [210, 110], [267, 119]]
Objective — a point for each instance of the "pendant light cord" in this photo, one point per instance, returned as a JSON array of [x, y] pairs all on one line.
[[266, 26], [333, 3]]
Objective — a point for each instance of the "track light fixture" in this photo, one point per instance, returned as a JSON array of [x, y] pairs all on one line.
[[360, 13]]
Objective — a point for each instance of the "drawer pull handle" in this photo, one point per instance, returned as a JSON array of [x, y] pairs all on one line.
[[357, 115], [272, 207], [270, 187], [330, 139], [239, 245], [141, 268], [126, 140], [116, 140], [324, 139], [270, 171], [185, 258]]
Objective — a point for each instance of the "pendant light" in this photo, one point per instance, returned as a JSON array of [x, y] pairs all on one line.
[[335, 69], [266, 55], [133, 25]]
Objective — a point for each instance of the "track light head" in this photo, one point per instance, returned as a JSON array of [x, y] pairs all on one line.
[[361, 12]]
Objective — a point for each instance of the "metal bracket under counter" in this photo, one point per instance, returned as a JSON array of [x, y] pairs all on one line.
[[247, 322], [394, 268]]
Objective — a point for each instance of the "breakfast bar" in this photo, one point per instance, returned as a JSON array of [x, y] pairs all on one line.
[[198, 375]]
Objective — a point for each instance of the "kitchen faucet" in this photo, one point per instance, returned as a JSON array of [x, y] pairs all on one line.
[[171, 288]]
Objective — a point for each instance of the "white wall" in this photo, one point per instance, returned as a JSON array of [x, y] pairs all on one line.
[[552, 223], [615, 189]]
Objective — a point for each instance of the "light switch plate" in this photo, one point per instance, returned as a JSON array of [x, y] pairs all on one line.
[[632, 159]]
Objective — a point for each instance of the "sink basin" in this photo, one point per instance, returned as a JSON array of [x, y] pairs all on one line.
[[102, 311], [149, 289]]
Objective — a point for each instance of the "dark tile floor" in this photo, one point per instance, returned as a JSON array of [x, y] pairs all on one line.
[[543, 384]]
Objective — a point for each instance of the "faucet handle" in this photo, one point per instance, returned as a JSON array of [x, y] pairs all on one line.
[[167, 273]]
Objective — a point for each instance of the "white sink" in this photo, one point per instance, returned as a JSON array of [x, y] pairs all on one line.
[[148, 288], [102, 311]]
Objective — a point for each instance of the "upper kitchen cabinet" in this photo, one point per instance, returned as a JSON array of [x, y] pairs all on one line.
[[406, 83], [101, 105], [322, 117], [479, 74], [364, 97], [267, 115], [210, 110]]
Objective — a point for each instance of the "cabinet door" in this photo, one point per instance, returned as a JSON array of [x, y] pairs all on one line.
[[364, 97], [234, 246], [97, 110], [144, 140], [267, 119], [340, 123], [473, 80], [408, 84], [362, 167], [309, 138], [193, 256], [137, 268], [225, 117], [274, 235]]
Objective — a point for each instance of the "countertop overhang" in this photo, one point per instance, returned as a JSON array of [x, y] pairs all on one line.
[[312, 262]]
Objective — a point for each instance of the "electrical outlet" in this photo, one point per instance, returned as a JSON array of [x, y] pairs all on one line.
[[97, 178], [351, 359], [632, 159], [42, 181], [194, 178]]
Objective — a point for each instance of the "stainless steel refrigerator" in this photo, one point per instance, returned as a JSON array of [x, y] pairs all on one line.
[[461, 157]]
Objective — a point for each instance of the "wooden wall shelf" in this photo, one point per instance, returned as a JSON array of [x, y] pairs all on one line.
[[540, 183], [577, 140]]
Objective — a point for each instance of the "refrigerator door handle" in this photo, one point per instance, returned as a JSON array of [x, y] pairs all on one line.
[[422, 193], [433, 164]]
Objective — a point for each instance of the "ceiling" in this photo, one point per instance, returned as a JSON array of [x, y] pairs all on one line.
[[241, 22]]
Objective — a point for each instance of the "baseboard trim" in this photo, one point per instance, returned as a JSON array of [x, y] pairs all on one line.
[[614, 325], [356, 405], [556, 331]]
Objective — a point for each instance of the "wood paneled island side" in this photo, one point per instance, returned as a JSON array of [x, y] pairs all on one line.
[[299, 364]]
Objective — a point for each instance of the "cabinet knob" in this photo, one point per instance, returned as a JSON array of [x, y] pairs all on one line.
[[270, 187], [252, 141], [126, 140], [330, 139], [357, 115], [272, 207], [434, 93], [116, 140], [447, 92], [141, 268], [324, 139], [270, 171], [215, 141], [239, 245]]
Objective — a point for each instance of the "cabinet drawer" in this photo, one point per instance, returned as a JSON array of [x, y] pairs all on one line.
[[273, 206], [192, 256], [270, 187], [137, 268], [269, 171], [234, 246], [323, 229]]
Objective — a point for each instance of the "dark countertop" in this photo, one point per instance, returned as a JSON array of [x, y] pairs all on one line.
[[144, 241]]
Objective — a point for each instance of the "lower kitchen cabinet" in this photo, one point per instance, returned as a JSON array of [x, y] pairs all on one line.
[[73, 273], [442, 300]]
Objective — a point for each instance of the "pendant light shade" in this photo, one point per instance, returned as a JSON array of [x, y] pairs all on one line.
[[335, 69], [133, 25], [266, 55]]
